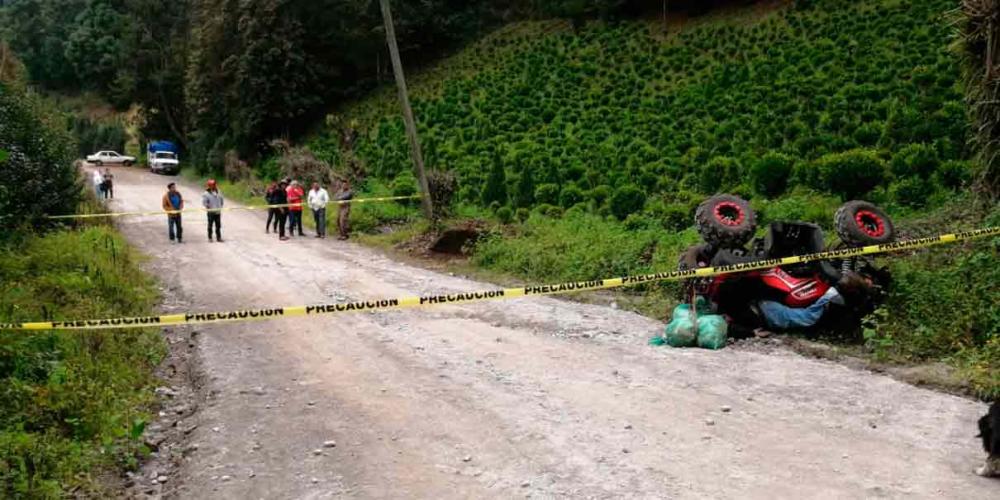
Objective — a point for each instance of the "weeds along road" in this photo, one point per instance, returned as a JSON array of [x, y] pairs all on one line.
[[534, 397]]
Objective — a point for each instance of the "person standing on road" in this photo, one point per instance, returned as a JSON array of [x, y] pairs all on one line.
[[343, 195], [318, 199], [295, 194], [280, 197], [173, 202], [212, 200], [109, 186], [98, 183], [272, 212]]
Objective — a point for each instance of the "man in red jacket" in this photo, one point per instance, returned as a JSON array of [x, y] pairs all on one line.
[[295, 194]]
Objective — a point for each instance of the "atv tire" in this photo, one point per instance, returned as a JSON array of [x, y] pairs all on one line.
[[725, 221], [860, 223]]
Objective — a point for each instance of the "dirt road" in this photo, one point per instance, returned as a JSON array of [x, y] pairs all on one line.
[[527, 398]]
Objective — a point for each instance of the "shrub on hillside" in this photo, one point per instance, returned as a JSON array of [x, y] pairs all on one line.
[[302, 165], [953, 174], [911, 191], [718, 174], [505, 215], [626, 201], [405, 184], [850, 174], [914, 160], [770, 174], [37, 175], [495, 189], [442, 185], [570, 195], [547, 194], [524, 193]]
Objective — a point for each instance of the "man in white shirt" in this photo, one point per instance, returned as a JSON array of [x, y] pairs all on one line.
[[318, 199]]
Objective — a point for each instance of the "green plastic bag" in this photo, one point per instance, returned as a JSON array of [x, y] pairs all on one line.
[[712, 331], [681, 331]]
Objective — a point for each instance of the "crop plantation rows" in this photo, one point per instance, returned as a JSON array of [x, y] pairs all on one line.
[[842, 97]]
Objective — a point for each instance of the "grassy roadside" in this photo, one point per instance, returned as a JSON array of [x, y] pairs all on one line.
[[73, 405]]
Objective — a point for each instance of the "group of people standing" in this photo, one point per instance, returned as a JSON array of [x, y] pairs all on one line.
[[211, 200], [104, 186], [287, 197], [289, 192]]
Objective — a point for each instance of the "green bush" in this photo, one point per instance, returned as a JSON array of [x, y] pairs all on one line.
[[37, 176], [599, 195], [911, 192], [524, 195], [770, 174], [914, 160], [953, 174], [547, 194], [570, 195], [626, 201], [495, 189], [719, 174], [851, 174], [505, 215], [522, 214], [405, 184]]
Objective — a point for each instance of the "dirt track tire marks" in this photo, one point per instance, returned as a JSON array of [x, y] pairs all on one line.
[[538, 396]]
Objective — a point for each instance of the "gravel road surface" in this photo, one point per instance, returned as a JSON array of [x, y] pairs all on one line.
[[536, 397]]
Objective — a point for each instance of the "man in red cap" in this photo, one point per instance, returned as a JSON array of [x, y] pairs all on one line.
[[212, 200]]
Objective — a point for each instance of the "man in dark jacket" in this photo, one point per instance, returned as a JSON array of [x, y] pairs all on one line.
[[280, 197]]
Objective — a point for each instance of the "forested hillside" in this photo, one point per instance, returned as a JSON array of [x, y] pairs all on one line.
[[844, 97]]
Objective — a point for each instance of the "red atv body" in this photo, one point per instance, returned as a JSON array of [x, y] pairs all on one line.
[[727, 224]]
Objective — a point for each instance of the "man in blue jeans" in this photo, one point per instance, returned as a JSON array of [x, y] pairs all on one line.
[[173, 202]]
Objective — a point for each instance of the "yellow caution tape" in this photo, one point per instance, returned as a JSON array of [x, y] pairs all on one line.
[[497, 294], [226, 209]]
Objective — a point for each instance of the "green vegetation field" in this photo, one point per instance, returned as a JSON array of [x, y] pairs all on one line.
[[593, 147], [73, 404]]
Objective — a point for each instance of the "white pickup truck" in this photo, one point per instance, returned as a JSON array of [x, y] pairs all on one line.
[[101, 157], [164, 162]]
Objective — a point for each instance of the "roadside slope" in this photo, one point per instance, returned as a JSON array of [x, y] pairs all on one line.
[[526, 397]]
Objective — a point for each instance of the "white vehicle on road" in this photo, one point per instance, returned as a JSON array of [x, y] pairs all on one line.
[[164, 162], [110, 157]]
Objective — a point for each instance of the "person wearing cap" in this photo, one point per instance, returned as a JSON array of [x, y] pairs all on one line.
[[295, 194], [318, 199], [173, 203], [212, 200]]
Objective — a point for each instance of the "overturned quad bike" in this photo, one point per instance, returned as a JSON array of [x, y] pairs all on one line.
[[727, 225]]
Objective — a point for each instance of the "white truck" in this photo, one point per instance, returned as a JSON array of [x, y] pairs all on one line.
[[162, 157]]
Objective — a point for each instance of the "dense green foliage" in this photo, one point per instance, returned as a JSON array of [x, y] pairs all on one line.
[[36, 170], [217, 75], [839, 89], [68, 400], [980, 44], [944, 305]]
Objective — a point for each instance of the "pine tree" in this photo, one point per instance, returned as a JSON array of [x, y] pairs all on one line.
[[496, 184], [524, 196]]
